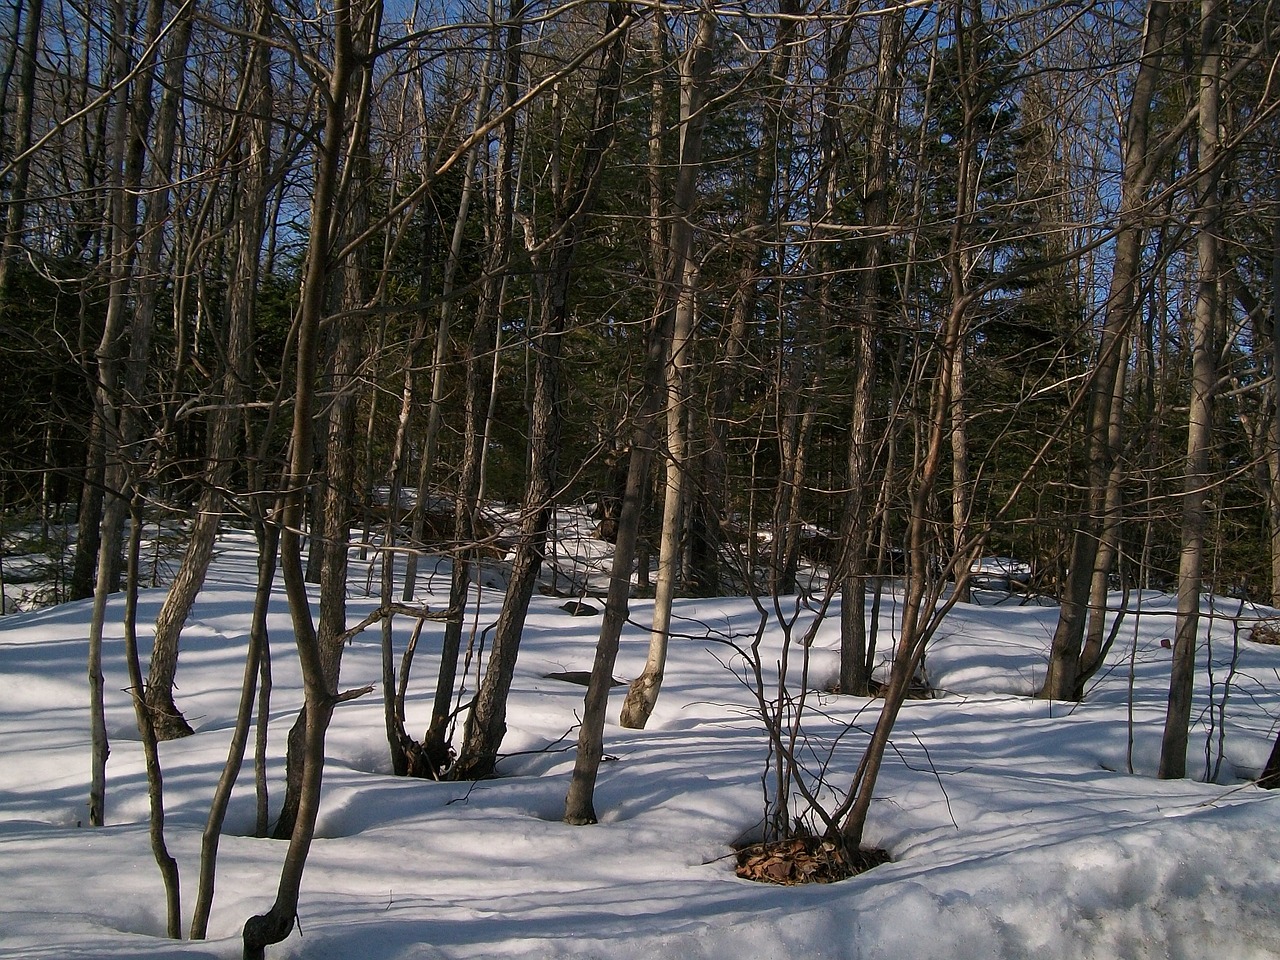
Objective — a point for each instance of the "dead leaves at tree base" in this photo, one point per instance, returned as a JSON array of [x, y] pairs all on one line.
[[804, 860], [1267, 632]]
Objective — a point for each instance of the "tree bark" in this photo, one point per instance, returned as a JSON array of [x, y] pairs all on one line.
[[168, 721], [1197, 488], [20, 136], [486, 723], [855, 651], [121, 377], [448, 310], [579, 801], [475, 402], [354, 33], [1063, 677], [150, 748], [679, 295]]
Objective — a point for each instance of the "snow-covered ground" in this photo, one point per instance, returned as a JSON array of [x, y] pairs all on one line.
[[1016, 827]]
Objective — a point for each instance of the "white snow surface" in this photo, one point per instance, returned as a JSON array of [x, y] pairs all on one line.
[[1015, 825]]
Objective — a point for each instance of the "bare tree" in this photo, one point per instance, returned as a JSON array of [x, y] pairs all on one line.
[[20, 132], [1068, 667], [855, 655], [345, 101], [553, 260], [1197, 485], [678, 294], [121, 374], [695, 67], [476, 386]]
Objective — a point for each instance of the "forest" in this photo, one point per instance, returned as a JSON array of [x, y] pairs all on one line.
[[875, 290]]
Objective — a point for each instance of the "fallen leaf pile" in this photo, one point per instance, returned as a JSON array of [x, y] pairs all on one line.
[[802, 860]]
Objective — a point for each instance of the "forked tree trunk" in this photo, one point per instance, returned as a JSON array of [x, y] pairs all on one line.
[[405, 751], [354, 33], [448, 309], [476, 387], [920, 612], [1095, 648], [1063, 677], [330, 538], [486, 723], [257, 655]]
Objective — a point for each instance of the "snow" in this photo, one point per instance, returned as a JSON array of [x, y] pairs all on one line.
[[1016, 827]]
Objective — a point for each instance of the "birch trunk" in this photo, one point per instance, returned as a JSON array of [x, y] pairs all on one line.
[[682, 272]]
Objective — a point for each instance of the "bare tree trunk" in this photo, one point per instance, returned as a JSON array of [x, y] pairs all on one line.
[[167, 719], [1063, 678], [642, 695], [20, 137], [1094, 650], [448, 309], [579, 802], [709, 471], [475, 403], [960, 258], [331, 532], [682, 272], [255, 655], [155, 781], [486, 723], [920, 614], [1273, 426], [354, 33], [405, 752], [855, 652], [120, 379], [1204, 379]]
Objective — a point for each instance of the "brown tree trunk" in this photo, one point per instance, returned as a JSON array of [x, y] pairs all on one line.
[[486, 723], [1204, 381], [354, 32], [167, 720], [448, 310], [476, 399], [1062, 680], [121, 376], [150, 745], [579, 801], [19, 134], [855, 652], [709, 470]]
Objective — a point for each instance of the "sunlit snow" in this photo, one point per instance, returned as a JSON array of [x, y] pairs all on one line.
[[1016, 826]]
